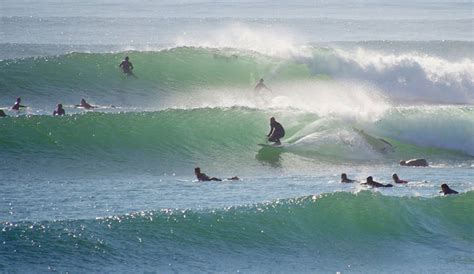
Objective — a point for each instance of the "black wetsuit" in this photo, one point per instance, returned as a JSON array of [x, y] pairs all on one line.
[[126, 66], [17, 106], [376, 184], [204, 178], [59, 111], [276, 132]]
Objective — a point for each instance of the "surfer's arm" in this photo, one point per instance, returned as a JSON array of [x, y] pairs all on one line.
[[271, 130]]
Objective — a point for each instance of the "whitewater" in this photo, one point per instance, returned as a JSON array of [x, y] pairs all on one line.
[[358, 87]]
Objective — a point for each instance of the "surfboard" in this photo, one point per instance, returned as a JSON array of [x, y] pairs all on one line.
[[377, 143], [270, 145]]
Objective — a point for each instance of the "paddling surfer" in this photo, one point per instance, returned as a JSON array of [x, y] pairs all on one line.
[[85, 105], [344, 179], [446, 190], [202, 177], [370, 182], [397, 180]]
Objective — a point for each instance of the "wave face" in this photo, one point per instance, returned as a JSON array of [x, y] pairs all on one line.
[[305, 232], [171, 139], [327, 91], [407, 76]]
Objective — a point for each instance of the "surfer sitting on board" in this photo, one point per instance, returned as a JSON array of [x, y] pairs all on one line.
[[397, 180], [276, 132], [261, 86], [344, 179], [204, 178], [17, 104], [372, 183], [85, 105], [59, 111], [126, 66]]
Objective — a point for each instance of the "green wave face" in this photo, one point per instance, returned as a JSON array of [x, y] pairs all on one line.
[[167, 70], [210, 135], [356, 225]]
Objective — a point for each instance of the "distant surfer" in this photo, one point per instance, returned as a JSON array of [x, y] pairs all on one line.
[[260, 85], [414, 162], [397, 180], [127, 66], [85, 105], [18, 104], [370, 182], [202, 177], [344, 179], [446, 190], [2, 113], [59, 111], [276, 132]]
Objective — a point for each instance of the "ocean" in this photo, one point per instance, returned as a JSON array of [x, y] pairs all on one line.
[[357, 85]]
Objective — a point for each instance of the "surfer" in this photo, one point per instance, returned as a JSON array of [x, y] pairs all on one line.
[[446, 190], [372, 183], [414, 162], [276, 132], [202, 177], [261, 86], [2, 113], [17, 104], [397, 180], [344, 179], [85, 105], [126, 66], [59, 111]]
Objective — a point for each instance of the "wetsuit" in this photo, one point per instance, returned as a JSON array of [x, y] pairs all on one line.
[[17, 106], [127, 67], [59, 111], [276, 132], [203, 177]]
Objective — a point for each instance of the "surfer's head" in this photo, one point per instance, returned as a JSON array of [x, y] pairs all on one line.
[[18, 100], [261, 80], [445, 188], [370, 179], [197, 170], [343, 176], [272, 119], [83, 101], [60, 106], [395, 176], [126, 58]]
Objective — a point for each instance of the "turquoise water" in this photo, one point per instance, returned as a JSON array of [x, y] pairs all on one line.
[[358, 86]]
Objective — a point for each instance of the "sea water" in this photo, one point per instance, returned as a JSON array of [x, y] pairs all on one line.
[[358, 86]]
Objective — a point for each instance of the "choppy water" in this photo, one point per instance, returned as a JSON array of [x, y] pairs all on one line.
[[112, 189]]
